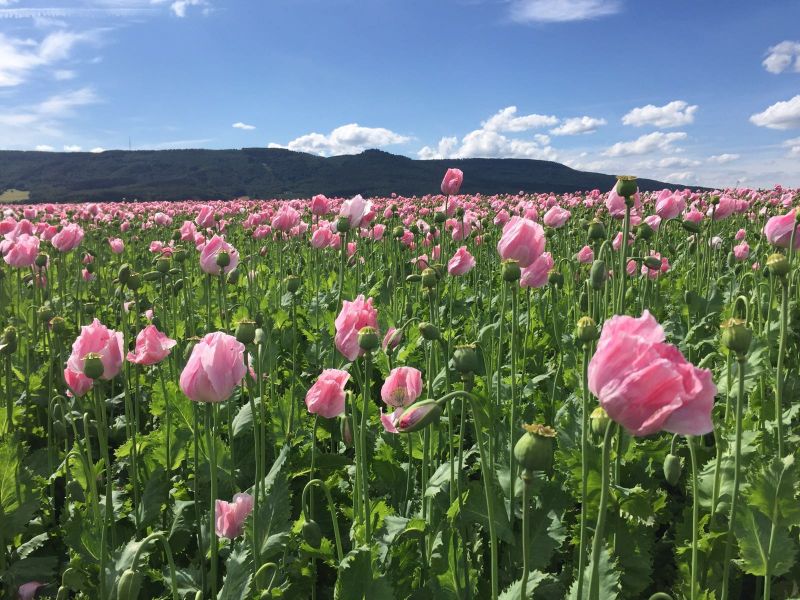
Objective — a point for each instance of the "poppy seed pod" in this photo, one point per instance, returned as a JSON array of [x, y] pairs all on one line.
[[597, 231], [246, 332], [293, 284], [41, 260], [179, 255], [586, 330], [223, 259], [555, 278], [368, 339], [124, 273], [626, 185], [134, 281], [736, 336], [93, 366], [511, 271], [599, 421], [534, 450], [778, 265], [162, 265], [430, 278], [465, 359], [45, 313], [439, 217], [8, 343], [398, 231], [429, 331], [342, 224], [59, 325]]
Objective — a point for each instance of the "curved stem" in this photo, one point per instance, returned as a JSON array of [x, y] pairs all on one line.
[[331, 509]]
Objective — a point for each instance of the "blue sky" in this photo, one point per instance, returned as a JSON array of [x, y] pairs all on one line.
[[704, 92]]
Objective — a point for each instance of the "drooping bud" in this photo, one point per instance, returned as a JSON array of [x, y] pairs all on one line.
[[691, 226], [511, 271], [93, 366], [418, 416], [598, 274], [124, 273], [652, 263], [429, 331], [129, 585], [555, 278], [672, 469], [8, 342], [312, 534], [414, 278], [644, 231], [368, 339]]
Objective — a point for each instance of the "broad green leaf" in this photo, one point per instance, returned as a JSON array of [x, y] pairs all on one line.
[[753, 531], [238, 574], [773, 492]]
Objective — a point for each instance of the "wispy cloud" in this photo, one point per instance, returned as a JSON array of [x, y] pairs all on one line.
[[244, 126], [559, 11]]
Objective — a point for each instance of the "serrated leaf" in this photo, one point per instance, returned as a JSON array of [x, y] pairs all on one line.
[[238, 574], [514, 591], [753, 531], [772, 491], [609, 584]]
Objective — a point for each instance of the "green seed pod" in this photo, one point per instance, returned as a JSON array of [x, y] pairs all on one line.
[[175, 272], [511, 271], [459, 212], [246, 332], [555, 278], [59, 325], [162, 265], [429, 331], [398, 231], [598, 275], [176, 235], [179, 255], [223, 259], [89, 308], [293, 283], [534, 450], [8, 343], [150, 276], [312, 534], [124, 273], [414, 228], [644, 231], [597, 231], [439, 217], [586, 330], [714, 200], [778, 265], [672, 469], [418, 416], [465, 359], [368, 339], [736, 336], [429, 278], [41, 260], [93, 366], [177, 286], [45, 313], [342, 224], [626, 185]]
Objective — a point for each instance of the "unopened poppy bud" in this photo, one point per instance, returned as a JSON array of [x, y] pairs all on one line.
[[342, 224], [293, 283], [511, 271], [90, 267], [347, 432], [439, 217], [124, 273], [233, 276], [246, 332], [223, 259], [778, 265], [598, 274], [534, 450], [8, 343], [672, 469], [599, 421], [586, 330], [89, 308], [418, 416], [312, 534], [429, 278], [150, 276], [45, 313], [597, 231], [189, 348], [41, 260], [368, 339], [429, 331], [179, 255], [93, 366], [128, 586], [555, 278], [465, 359], [691, 226], [460, 212], [736, 336], [653, 263], [162, 265], [626, 185], [414, 228]]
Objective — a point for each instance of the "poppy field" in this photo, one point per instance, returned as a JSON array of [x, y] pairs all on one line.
[[589, 396]]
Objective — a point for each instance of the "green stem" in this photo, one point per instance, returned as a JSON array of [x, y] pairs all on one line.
[[597, 544], [331, 509], [690, 442], [212, 457], [525, 525], [584, 469]]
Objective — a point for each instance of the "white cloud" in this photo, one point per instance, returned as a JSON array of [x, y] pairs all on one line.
[[19, 58], [97, 150], [793, 145], [506, 120], [63, 104], [651, 142], [680, 177], [673, 114], [347, 139], [44, 148], [781, 115], [671, 162], [71, 148], [180, 7], [721, 159], [783, 56], [578, 125], [64, 75], [559, 11], [245, 126]]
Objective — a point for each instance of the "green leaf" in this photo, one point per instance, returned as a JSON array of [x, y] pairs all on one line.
[[772, 491], [156, 490], [609, 578], [356, 580], [243, 421], [474, 510], [753, 533], [514, 591], [238, 574]]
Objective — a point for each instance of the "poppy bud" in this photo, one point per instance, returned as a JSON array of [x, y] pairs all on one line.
[[511, 271], [418, 416], [90, 267], [652, 263], [187, 352], [246, 332], [398, 231], [162, 265], [150, 276], [644, 231], [179, 255], [736, 336], [599, 420], [347, 432], [59, 325], [414, 278], [534, 450], [312, 534], [233, 276], [691, 226], [555, 278], [45, 313], [429, 331], [93, 366], [672, 469], [465, 359], [124, 273], [439, 217], [134, 281], [128, 585], [598, 274], [8, 343], [586, 330], [368, 339]]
